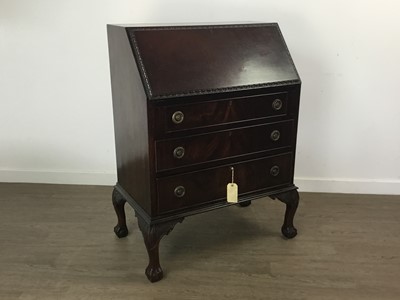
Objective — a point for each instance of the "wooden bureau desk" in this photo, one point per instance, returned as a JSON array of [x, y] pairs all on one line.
[[195, 106]]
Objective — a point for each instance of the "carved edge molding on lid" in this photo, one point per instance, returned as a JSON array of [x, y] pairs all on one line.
[[139, 60], [143, 73]]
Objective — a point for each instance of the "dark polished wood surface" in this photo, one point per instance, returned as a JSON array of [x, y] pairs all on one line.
[[223, 144], [130, 119], [210, 185], [191, 104], [223, 111], [187, 60]]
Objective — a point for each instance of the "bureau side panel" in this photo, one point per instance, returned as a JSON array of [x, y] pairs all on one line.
[[130, 119], [293, 109]]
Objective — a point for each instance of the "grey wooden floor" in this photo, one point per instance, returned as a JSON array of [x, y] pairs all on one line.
[[57, 242]]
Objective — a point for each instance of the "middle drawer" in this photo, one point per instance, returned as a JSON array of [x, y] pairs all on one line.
[[173, 153]]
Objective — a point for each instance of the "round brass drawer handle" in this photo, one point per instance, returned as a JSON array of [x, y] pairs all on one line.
[[179, 152], [178, 117], [274, 171], [275, 135], [179, 191], [277, 104]]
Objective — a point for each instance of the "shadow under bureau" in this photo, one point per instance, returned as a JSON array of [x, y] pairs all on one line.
[[195, 109]]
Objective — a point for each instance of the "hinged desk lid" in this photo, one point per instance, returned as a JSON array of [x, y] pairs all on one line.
[[192, 60]]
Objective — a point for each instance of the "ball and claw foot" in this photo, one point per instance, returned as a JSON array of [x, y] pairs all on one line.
[[154, 274], [245, 203], [120, 231], [289, 232]]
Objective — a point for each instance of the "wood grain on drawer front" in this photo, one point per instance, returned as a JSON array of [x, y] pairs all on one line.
[[219, 112], [196, 188], [173, 153]]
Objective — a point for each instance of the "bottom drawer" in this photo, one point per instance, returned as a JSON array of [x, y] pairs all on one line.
[[200, 187]]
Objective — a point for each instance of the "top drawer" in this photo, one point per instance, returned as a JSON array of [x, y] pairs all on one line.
[[196, 115]]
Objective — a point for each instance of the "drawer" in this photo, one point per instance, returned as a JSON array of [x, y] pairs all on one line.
[[196, 115], [173, 153], [201, 187]]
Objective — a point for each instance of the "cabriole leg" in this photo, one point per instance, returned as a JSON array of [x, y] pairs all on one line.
[[291, 199], [119, 202], [152, 235]]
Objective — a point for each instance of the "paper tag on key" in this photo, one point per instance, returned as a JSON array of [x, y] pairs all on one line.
[[232, 190]]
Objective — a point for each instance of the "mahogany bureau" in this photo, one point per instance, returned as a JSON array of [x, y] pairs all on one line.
[[193, 107]]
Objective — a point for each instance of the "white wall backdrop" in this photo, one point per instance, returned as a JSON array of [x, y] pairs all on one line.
[[56, 121]]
